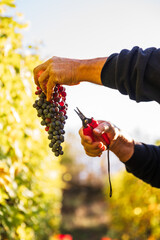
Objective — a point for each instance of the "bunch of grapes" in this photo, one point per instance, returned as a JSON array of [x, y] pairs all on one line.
[[53, 114]]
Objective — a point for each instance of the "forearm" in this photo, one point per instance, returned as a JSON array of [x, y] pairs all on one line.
[[90, 70]]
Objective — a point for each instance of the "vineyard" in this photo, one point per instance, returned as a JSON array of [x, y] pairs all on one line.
[[30, 194], [40, 198]]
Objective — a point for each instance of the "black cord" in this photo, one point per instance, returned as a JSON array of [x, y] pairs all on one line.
[[109, 174]]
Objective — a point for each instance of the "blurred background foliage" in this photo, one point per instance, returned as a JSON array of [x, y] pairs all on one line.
[[134, 209], [40, 194], [132, 213], [30, 177]]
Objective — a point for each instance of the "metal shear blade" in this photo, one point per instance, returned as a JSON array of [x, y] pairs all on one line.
[[84, 119], [80, 114]]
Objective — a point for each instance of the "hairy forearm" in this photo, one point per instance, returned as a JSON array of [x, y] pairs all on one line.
[[90, 70], [65, 71]]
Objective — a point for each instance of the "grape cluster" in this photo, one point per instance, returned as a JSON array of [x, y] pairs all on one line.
[[53, 114]]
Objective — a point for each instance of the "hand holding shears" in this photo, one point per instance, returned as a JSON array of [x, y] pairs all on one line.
[[89, 124]]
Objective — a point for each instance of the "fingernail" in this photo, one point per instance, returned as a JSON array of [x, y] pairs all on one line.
[[100, 145], [103, 148]]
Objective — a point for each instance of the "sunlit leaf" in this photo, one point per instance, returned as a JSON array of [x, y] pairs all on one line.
[[30, 178]]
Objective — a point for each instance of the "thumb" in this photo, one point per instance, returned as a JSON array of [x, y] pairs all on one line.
[[101, 128]]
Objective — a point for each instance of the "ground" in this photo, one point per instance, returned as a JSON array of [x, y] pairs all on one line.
[[84, 212]]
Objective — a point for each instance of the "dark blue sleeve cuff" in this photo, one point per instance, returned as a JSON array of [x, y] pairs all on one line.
[[138, 158], [145, 163]]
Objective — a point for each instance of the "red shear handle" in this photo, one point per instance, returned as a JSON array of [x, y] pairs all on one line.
[[88, 131], [106, 138]]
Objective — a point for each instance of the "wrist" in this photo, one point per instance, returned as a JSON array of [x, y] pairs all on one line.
[[122, 146], [90, 70]]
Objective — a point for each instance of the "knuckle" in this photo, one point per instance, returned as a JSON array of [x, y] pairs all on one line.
[[110, 125], [105, 124], [51, 67], [35, 71], [53, 60]]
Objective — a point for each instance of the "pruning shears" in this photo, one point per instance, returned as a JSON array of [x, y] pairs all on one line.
[[88, 125]]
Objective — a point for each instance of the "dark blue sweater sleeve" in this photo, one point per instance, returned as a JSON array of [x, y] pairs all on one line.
[[135, 73], [145, 164]]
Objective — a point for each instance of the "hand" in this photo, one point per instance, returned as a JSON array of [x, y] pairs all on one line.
[[95, 149], [121, 144], [68, 72], [56, 71]]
